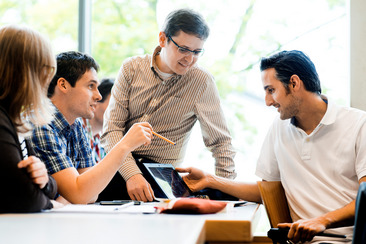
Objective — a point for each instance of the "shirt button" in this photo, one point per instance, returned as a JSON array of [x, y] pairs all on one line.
[[307, 139]]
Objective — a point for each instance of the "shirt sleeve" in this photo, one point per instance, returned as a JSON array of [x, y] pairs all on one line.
[[18, 193], [267, 165], [50, 188], [216, 135], [116, 116], [48, 147]]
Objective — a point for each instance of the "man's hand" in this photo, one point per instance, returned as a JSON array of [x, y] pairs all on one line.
[[304, 230], [139, 189], [139, 134], [196, 180], [36, 170]]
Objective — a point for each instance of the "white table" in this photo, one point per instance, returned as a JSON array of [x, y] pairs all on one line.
[[236, 225]]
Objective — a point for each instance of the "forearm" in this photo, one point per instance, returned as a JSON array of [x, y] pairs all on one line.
[[340, 217], [246, 191], [85, 188], [215, 132]]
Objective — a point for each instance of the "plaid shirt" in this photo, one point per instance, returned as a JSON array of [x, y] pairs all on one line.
[[60, 145]]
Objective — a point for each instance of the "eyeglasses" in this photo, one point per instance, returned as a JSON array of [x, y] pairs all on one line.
[[186, 51]]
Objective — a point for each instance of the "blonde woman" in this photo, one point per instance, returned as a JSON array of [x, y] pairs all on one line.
[[27, 65]]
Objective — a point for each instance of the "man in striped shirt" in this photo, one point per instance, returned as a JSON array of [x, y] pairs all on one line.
[[171, 92]]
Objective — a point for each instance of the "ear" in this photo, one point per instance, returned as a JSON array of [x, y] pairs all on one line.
[[295, 83], [163, 39], [62, 85]]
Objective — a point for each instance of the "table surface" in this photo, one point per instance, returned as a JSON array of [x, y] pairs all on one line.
[[234, 225]]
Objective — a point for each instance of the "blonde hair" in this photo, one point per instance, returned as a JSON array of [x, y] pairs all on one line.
[[27, 65]]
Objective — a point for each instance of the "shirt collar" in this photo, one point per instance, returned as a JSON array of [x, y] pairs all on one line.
[[153, 67], [60, 121], [331, 113], [329, 116]]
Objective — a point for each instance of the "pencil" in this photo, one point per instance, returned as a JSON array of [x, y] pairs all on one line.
[[162, 137]]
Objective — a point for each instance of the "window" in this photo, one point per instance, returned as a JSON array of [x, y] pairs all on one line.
[[241, 33], [57, 20]]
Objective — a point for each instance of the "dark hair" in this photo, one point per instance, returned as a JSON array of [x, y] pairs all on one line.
[[188, 21], [288, 63], [71, 66], [105, 88]]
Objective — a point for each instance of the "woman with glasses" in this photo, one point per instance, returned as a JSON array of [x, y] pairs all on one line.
[[27, 65]]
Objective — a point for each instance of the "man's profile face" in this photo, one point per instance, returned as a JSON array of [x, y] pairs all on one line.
[[278, 96], [175, 62], [84, 96]]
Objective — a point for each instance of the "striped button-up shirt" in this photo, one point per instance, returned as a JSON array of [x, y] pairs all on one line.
[[172, 107]]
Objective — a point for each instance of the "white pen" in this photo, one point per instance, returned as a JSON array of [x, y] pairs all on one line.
[[125, 205]]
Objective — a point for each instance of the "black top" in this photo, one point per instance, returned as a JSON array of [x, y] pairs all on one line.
[[17, 191]]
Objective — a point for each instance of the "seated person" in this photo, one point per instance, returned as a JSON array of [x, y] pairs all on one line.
[[62, 144], [27, 65], [94, 126], [314, 138]]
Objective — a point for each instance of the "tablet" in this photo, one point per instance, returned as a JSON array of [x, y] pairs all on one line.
[[169, 181]]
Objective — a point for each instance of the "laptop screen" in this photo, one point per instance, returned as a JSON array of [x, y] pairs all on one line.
[[168, 179]]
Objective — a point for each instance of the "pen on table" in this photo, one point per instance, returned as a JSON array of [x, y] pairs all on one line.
[[124, 206], [162, 137]]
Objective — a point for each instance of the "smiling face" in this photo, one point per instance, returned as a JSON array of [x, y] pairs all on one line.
[[84, 96], [171, 60], [278, 96]]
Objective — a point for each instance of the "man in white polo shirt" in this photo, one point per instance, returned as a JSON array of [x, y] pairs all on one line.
[[316, 149]]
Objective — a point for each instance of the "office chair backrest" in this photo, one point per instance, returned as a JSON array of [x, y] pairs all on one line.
[[275, 202], [359, 231]]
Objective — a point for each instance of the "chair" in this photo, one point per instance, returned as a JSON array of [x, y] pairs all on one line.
[[275, 202], [359, 230]]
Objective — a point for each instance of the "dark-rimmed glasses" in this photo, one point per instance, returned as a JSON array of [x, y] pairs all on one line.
[[186, 51]]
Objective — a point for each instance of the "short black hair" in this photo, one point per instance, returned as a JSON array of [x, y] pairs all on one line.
[[188, 21], [105, 88], [71, 66], [288, 63]]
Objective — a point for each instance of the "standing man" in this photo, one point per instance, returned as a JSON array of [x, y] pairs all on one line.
[[171, 92], [315, 148], [62, 144]]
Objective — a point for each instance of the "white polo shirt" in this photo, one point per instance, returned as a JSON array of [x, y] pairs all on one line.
[[320, 171]]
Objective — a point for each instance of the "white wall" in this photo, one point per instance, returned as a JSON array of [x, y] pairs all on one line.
[[358, 53]]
